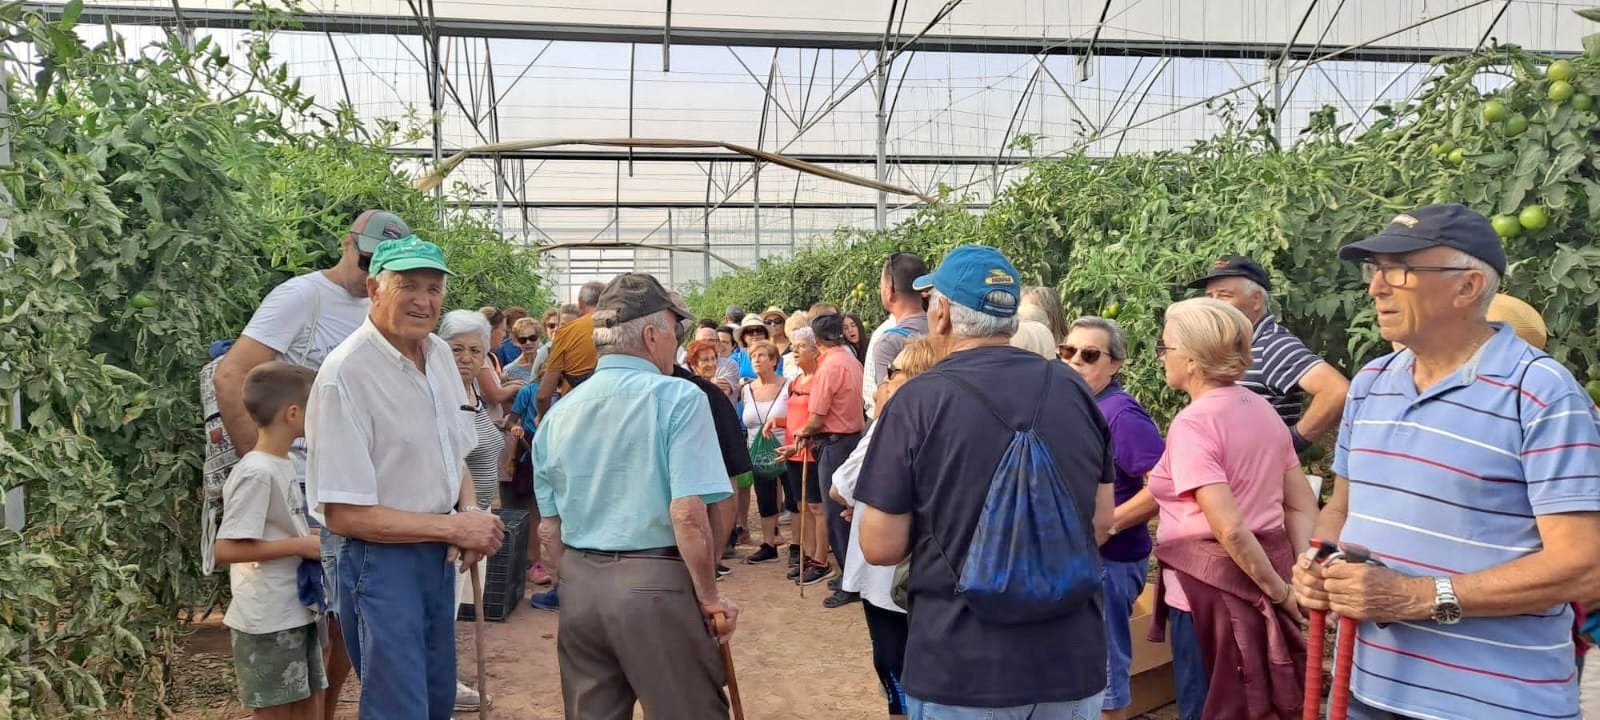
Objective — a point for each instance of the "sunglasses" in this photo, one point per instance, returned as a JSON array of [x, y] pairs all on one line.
[[893, 371], [364, 261], [774, 323], [527, 339], [1090, 355]]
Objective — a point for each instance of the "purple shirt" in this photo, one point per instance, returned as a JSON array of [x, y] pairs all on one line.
[[1136, 447]]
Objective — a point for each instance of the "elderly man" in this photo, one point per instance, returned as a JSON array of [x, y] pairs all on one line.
[[922, 491], [387, 442], [572, 356], [834, 428], [1282, 369], [1470, 464], [640, 547], [301, 321]]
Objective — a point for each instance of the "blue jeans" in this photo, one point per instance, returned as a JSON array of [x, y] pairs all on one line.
[[1085, 709], [331, 544], [1188, 665], [397, 608], [1122, 583]]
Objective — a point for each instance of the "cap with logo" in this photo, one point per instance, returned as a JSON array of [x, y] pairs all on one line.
[[969, 274], [1455, 226], [1234, 266], [631, 296], [375, 226], [407, 253]]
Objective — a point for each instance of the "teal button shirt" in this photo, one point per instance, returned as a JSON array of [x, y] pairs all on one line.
[[610, 457]]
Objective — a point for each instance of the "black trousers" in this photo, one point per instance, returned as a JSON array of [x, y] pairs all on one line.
[[889, 631], [829, 458]]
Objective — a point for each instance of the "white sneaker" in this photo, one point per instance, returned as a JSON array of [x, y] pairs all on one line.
[[468, 699]]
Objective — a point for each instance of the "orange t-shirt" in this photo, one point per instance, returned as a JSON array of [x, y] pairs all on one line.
[[799, 402]]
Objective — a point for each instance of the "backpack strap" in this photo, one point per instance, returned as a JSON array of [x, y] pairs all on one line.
[[988, 403]]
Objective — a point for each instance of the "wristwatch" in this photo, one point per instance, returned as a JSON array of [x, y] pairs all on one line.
[[1446, 608]]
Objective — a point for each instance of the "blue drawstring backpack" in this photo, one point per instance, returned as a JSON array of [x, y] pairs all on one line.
[[1032, 557]]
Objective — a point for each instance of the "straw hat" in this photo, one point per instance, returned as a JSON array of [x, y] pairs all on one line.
[[774, 310], [1521, 317], [750, 321]]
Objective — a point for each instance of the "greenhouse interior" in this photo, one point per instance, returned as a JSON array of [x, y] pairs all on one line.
[[168, 163]]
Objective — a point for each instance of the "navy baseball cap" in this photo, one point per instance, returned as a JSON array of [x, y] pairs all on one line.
[[1235, 266], [967, 276], [1456, 226]]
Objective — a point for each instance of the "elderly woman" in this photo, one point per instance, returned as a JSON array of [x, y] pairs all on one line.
[[1235, 510], [468, 333], [800, 320], [766, 399], [814, 541], [1097, 348], [525, 333], [886, 621]]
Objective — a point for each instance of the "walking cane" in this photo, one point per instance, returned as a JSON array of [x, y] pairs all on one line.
[[1316, 638], [805, 509], [477, 639], [721, 622], [1345, 652]]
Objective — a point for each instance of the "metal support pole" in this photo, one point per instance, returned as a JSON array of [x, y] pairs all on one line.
[[436, 98], [633, 55], [1275, 76], [666, 40], [705, 236], [761, 139], [881, 217], [16, 497]]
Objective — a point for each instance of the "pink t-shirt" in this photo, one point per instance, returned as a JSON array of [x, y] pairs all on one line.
[[1229, 436]]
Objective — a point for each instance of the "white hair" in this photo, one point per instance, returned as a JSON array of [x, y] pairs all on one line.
[[972, 323], [1252, 287], [461, 322], [1491, 279], [385, 276], [803, 335], [628, 338]]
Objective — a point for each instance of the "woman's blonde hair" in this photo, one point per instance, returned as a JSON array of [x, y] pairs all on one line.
[[800, 319], [1214, 334], [765, 346], [523, 326], [918, 356]]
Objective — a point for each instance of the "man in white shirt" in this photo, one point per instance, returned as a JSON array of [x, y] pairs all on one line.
[[300, 322], [388, 440]]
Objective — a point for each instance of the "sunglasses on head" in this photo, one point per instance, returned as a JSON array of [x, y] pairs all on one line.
[[1090, 355], [527, 338]]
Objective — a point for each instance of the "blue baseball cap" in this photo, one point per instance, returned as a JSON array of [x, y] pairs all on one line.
[[1456, 226], [969, 274]]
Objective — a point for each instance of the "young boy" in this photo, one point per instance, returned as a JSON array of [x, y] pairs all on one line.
[[263, 538]]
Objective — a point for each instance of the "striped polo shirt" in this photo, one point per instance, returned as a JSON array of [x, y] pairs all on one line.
[[1278, 360], [1447, 482]]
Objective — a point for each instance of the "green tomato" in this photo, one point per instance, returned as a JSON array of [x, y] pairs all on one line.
[[141, 301], [1111, 311], [1516, 125], [1441, 149], [1561, 71], [1457, 156], [1583, 102], [1560, 91], [1506, 226], [1533, 217], [1494, 111]]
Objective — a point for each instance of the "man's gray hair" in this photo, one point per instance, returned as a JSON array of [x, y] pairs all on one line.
[[461, 322], [970, 323], [1116, 339], [628, 338], [1491, 279], [387, 276], [589, 294]]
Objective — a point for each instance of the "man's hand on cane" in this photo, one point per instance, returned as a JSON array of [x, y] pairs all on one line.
[[477, 534], [1308, 582], [724, 605]]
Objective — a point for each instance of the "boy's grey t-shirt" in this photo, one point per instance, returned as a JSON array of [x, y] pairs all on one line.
[[262, 501]]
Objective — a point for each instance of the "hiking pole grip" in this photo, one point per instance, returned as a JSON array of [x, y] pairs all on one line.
[[477, 640], [805, 509], [1339, 700], [720, 623], [1316, 638]]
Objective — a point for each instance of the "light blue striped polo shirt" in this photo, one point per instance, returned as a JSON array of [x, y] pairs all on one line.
[[1448, 482]]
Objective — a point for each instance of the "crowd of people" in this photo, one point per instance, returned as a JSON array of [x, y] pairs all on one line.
[[973, 472]]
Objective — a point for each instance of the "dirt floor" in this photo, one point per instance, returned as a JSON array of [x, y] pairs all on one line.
[[786, 649]]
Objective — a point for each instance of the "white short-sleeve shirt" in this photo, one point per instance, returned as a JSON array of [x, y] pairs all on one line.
[[261, 501], [381, 432]]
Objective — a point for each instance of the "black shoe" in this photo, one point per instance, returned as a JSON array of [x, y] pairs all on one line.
[[765, 553], [794, 556], [815, 574], [729, 553], [794, 572], [840, 598], [836, 584], [723, 571]]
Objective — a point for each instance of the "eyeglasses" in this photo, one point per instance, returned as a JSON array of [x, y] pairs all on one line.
[[527, 339], [1162, 350], [1399, 274], [364, 261], [893, 371], [1090, 355]]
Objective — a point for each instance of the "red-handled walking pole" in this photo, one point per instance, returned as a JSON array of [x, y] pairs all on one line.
[[1315, 639], [1345, 653]]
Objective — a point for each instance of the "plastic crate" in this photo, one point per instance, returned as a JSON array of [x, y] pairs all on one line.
[[506, 573]]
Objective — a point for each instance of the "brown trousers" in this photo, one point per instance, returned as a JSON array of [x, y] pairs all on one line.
[[631, 630]]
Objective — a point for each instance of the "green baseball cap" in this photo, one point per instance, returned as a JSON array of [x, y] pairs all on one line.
[[408, 253]]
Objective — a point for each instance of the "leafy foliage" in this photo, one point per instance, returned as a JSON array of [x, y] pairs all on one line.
[[1119, 236], [157, 198]]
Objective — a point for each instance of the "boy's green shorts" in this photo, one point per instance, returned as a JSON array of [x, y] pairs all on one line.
[[278, 668]]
